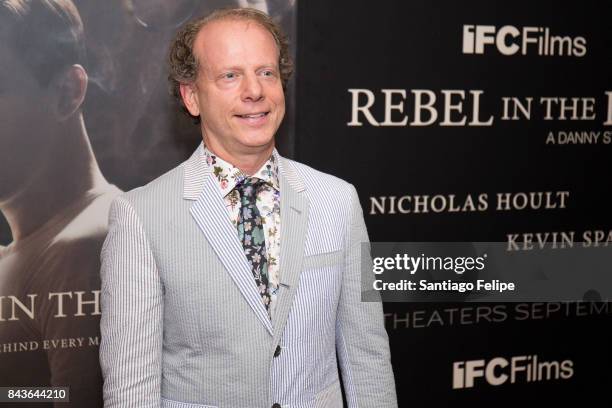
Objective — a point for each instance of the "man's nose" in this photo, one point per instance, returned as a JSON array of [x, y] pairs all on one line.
[[251, 88]]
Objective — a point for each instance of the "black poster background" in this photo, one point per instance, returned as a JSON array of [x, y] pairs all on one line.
[[418, 45]]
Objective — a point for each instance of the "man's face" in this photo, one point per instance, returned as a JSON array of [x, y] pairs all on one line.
[[238, 92], [25, 120]]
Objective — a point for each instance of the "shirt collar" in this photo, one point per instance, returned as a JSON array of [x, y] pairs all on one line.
[[229, 176]]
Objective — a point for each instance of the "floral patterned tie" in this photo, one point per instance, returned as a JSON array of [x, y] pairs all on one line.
[[251, 234]]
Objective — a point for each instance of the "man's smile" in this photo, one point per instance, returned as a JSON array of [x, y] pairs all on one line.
[[254, 119]]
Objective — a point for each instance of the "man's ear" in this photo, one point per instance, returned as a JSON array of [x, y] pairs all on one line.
[[190, 98], [70, 88]]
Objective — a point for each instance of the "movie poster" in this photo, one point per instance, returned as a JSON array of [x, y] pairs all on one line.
[[85, 114]]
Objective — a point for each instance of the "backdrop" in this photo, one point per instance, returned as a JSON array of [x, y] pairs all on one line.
[[446, 115]]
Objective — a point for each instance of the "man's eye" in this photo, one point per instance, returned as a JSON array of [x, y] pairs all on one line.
[[229, 75], [268, 73]]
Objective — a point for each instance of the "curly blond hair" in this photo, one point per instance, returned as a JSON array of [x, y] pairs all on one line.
[[183, 65]]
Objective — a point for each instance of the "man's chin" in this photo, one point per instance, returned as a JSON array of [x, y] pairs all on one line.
[[257, 142]]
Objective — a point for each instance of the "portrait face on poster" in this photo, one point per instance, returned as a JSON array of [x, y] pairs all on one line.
[[21, 100]]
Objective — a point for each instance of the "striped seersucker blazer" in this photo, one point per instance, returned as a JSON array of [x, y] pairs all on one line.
[[183, 325]]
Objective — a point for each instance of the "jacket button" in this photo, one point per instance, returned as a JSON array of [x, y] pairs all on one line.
[[276, 405], [277, 353]]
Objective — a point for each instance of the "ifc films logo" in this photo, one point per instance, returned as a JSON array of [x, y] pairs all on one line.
[[511, 40], [518, 369]]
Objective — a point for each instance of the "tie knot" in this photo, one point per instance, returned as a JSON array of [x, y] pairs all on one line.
[[249, 187]]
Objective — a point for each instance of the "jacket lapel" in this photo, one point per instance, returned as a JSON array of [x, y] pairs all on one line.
[[294, 222], [211, 216]]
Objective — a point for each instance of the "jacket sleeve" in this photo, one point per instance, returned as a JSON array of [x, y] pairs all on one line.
[[132, 313], [361, 340]]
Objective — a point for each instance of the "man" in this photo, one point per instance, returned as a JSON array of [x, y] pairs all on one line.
[[234, 279], [54, 199]]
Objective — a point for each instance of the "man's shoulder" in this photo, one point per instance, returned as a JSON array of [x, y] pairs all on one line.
[[319, 183], [153, 205], [167, 186]]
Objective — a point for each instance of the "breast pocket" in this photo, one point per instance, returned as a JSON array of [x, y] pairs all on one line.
[[166, 403], [325, 259], [325, 234]]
